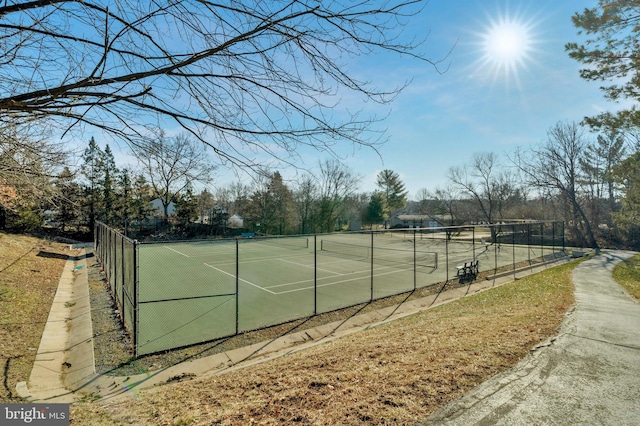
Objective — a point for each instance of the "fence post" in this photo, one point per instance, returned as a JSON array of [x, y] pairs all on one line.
[[542, 241], [136, 290], [446, 253], [415, 262], [496, 245], [122, 260], [237, 287], [473, 241], [371, 300], [513, 247], [529, 243], [315, 274]]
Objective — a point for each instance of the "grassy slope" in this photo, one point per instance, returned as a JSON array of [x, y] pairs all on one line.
[[30, 269], [627, 274], [392, 374]]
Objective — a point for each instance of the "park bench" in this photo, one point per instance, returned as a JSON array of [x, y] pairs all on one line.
[[467, 272], [248, 234]]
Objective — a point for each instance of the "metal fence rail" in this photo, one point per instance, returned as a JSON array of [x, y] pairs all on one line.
[[174, 294]]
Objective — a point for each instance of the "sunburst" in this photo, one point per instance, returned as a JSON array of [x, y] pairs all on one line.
[[507, 45]]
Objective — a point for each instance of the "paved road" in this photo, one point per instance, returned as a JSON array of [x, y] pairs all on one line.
[[588, 375]]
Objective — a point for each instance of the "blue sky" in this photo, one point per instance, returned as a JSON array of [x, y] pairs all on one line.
[[508, 80], [489, 100]]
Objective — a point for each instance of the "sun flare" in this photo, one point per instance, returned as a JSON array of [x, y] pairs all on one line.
[[506, 45]]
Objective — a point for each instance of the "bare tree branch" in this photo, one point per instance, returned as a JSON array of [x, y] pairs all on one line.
[[242, 77]]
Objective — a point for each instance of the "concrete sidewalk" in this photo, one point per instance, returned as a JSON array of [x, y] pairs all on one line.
[[65, 355], [588, 374]]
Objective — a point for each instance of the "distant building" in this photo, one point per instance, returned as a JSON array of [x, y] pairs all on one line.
[[235, 221], [420, 221]]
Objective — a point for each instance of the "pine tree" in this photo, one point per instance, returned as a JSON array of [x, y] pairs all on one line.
[[69, 199], [393, 192], [91, 169], [187, 207], [125, 200], [109, 172], [375, 209]]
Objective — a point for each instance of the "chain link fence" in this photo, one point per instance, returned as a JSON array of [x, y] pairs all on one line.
[[174, 294]]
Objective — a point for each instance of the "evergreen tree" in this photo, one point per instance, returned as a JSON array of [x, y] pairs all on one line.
[[611, 54], [91, 169], [393, 192], [109, 173], [141, 203], [67, 210], [206, 203], [376, 208], [272, 207], [187, 207], [627, 220], [124, 201]]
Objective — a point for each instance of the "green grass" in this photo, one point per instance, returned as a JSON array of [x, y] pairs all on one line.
[[627, 274]]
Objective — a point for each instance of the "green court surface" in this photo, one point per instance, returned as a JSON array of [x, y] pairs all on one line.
[[191, 292]]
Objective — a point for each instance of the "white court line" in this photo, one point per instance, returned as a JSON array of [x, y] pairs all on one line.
[[310, 266], [334, 283], [240, 279], [176, 251]]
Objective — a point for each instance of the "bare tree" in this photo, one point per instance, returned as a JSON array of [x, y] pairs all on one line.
[[28, 166], [336, 184], [305, 197], [443, 201], [491, 190], [172, 164], [245, 77], [555, 166]]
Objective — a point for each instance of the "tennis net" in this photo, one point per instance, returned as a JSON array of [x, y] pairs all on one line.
[[381, 255]]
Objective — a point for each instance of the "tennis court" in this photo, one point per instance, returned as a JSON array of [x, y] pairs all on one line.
[[187, 291], [173, 294]]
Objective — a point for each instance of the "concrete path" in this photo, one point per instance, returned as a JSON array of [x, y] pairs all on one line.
[[588, 375], [65, 355]]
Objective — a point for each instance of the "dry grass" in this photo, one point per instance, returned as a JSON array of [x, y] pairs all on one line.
[[30, 269], [396, 373], [627, 274]]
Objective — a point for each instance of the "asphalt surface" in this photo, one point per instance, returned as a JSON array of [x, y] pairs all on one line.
[[589, 374]]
